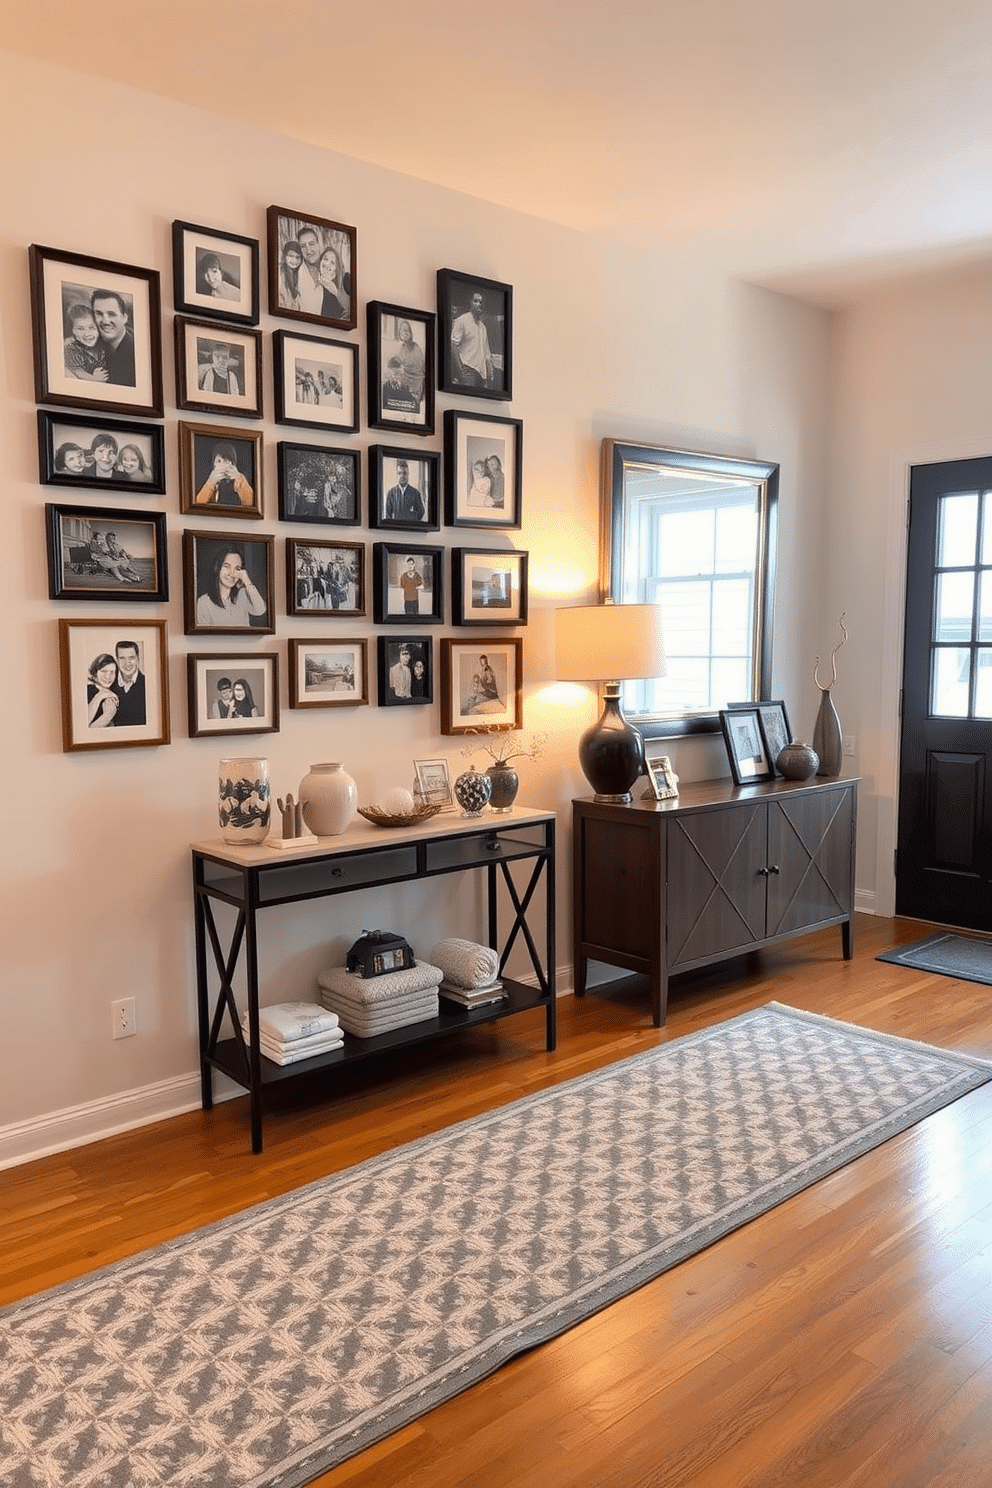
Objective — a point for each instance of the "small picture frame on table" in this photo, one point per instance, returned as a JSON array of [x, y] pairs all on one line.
[[488, 586], [404, 489], [749, 763], [775, 730], [215, 273], [401, 369], [662, 778], [233, 693], [96, 328], [325, 577], [433, 783], [407, 584], [115, 684], [311, 268], [228, 586], [319, 485], [101, 552], [80, 449], [220, 471], [481, 685], [483, 469], [406, 671], [218, 368], [328, 673], [475, 328], [316, 382]]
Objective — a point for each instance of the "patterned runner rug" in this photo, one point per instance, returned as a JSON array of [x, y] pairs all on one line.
[[262, 1350]]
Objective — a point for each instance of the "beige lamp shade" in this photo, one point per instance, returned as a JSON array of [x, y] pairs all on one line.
[[596, 643]]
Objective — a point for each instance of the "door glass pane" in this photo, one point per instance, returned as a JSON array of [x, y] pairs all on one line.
[[983, 683], [949, 681], [957, 531], [955, 602], [985, 607]]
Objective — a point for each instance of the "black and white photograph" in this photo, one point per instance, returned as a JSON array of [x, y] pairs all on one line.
[[488, 586], [407, 584], [96, 332], [401, 368], [319, 485], [97, 552], [404, 489], [228, 583], [316, 381], [483, 468], [481, 685], [749, 762], [220, 471], [328, 674], [311, 268], [433, 783], [406, 671], [775, 731], [233, 693], [215, 273], [218, 368], [475, 332], [107, 454], [115, 684], [324, 577]]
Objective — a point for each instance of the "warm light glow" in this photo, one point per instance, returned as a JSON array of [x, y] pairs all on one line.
[[599, 643]]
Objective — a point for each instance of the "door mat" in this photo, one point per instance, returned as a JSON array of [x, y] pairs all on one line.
[[962, 956]]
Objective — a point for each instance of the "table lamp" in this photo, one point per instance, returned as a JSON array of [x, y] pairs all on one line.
[[619, 642]]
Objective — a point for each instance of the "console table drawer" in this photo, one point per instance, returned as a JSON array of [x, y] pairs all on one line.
[[308, 879], [482, 847]]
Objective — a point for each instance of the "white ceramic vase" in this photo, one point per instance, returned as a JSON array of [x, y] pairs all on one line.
[[243, 806], [330, 799]]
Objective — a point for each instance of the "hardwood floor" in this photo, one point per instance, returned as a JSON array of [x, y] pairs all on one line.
[[845, 1338]]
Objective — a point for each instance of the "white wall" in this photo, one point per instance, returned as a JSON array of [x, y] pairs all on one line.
[[95, 863]]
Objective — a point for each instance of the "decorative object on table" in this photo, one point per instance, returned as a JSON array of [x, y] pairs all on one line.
[[797, 761], [483, 470], [244, 807], [232, 692], [774, 724], [481, 685], [401, 371], [76, 449], [475, 335], [367, 1006], [472, 792], [214, 273], [749, 762], [380, 818], [312, 268], [289, 1032], [662, 779], [329, 797], [294, 831], [500, 749], [488, 586], [827, 738], [115, 683], [377, 952], [102, 552], [596, 642], [432, 784]]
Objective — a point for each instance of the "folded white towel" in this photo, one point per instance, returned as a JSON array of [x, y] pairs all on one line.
[[381, 989], [337, 1000], [465, 962], [314, 1043], [290, 1054], [368, 1025], [288, 1021]]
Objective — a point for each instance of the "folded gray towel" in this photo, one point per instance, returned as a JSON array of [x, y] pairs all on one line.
[[381, 989], [465, 962]]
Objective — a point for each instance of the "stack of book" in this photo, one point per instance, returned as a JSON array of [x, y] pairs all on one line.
[[472, 996], [291, 1031]]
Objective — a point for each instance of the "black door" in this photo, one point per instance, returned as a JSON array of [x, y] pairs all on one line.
[[944, 854]]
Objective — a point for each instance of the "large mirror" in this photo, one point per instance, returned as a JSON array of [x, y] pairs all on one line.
[[695, 534]]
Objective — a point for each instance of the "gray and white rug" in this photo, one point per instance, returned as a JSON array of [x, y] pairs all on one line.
[[262, 1350]]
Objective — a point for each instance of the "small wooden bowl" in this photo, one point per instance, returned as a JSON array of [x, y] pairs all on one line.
[[380, 818]]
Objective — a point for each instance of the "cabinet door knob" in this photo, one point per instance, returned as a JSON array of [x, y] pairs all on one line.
[[762, 872], [774, 868]]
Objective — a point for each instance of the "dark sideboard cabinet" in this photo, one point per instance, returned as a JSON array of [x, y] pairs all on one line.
[[667, 886]]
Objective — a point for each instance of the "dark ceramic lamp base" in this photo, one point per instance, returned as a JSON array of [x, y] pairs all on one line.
[[611, 753]]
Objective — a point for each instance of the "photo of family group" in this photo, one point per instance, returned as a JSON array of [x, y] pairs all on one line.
[[317, 484], [406, 672], [98, 553], [316, 381], [114, 684], [325, 577], [75, 450], [311, 268], [481, 681]]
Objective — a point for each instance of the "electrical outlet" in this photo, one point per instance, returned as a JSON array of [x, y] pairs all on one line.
[[850, 744], [124, 1018]]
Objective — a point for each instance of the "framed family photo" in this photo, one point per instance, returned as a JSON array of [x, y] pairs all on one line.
[[233, 693], [481, 685], [774, 723], [220, 470], [433, 783], [311, 268], [96, 332], [316, 382], [407, 584], [215, 273], [324, 577], [108, 454], [328, 674], [404, 489], [401, 368], [488, 586], [98, 552], [406, 671], [662, 778], [115, 684], [218, 368], [228, 586], [483, 469], [317, 484], [475, 328], [749, 762]]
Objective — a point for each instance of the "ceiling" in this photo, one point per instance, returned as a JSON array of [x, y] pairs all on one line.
[[812, 145]]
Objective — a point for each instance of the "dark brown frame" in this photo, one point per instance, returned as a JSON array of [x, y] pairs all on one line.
[[286, 449], [94, 424], [327, 230], [125, 629], [191, 301], [454, 293], [431, 461], [230, 663], [187, 397], [453, 719], [55, 518], [293, 547], [193, 540], [376, 311], [189, 434], [297, 659]]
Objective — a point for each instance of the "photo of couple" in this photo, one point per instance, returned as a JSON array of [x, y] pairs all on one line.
[[115, 688], [106, 556]]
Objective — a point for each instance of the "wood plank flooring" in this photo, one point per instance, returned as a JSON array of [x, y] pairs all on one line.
[[845, 1338]]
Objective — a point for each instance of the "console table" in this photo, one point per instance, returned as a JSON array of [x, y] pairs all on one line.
[[665, 886], [251, 879]]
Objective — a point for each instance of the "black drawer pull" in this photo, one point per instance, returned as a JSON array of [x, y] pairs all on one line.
[[492, 843], [336, 872]]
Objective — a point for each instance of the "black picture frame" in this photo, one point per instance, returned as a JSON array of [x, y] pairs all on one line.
[[401, 368], [220, 471], [312, 237], [488, 586], [116, 308], [325, 577], [472, 497], [328, 673], [232, 692], [775, 729], [746, 749], [132, 456], [204, 558], [106, 553], [316, 382], [319, 485], [456, 296], [399, 601], [218, 368], [393, 504], [91, 719], [393, 686], [215, 273]]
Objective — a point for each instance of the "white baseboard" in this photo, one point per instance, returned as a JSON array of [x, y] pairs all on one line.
[[864, 901]]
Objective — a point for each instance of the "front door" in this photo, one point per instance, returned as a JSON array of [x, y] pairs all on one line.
[[944, 852]]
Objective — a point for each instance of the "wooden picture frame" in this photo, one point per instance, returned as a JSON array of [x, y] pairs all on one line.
[[97, 332], [481, 685], [232, 692], [220, 471], [775, 730], [228, 584], [90, 450], [433, 783], [406, 671], [483, 469], [316, 382], [318, 485], [218, 368], [106, 553], [662, 778], [325, 577], [401, 368], [331, 673], [214, 273], [488, 586], [404, 489], [115, 684], [475, 330], [304, 282], [407, 584], [749, 763]]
